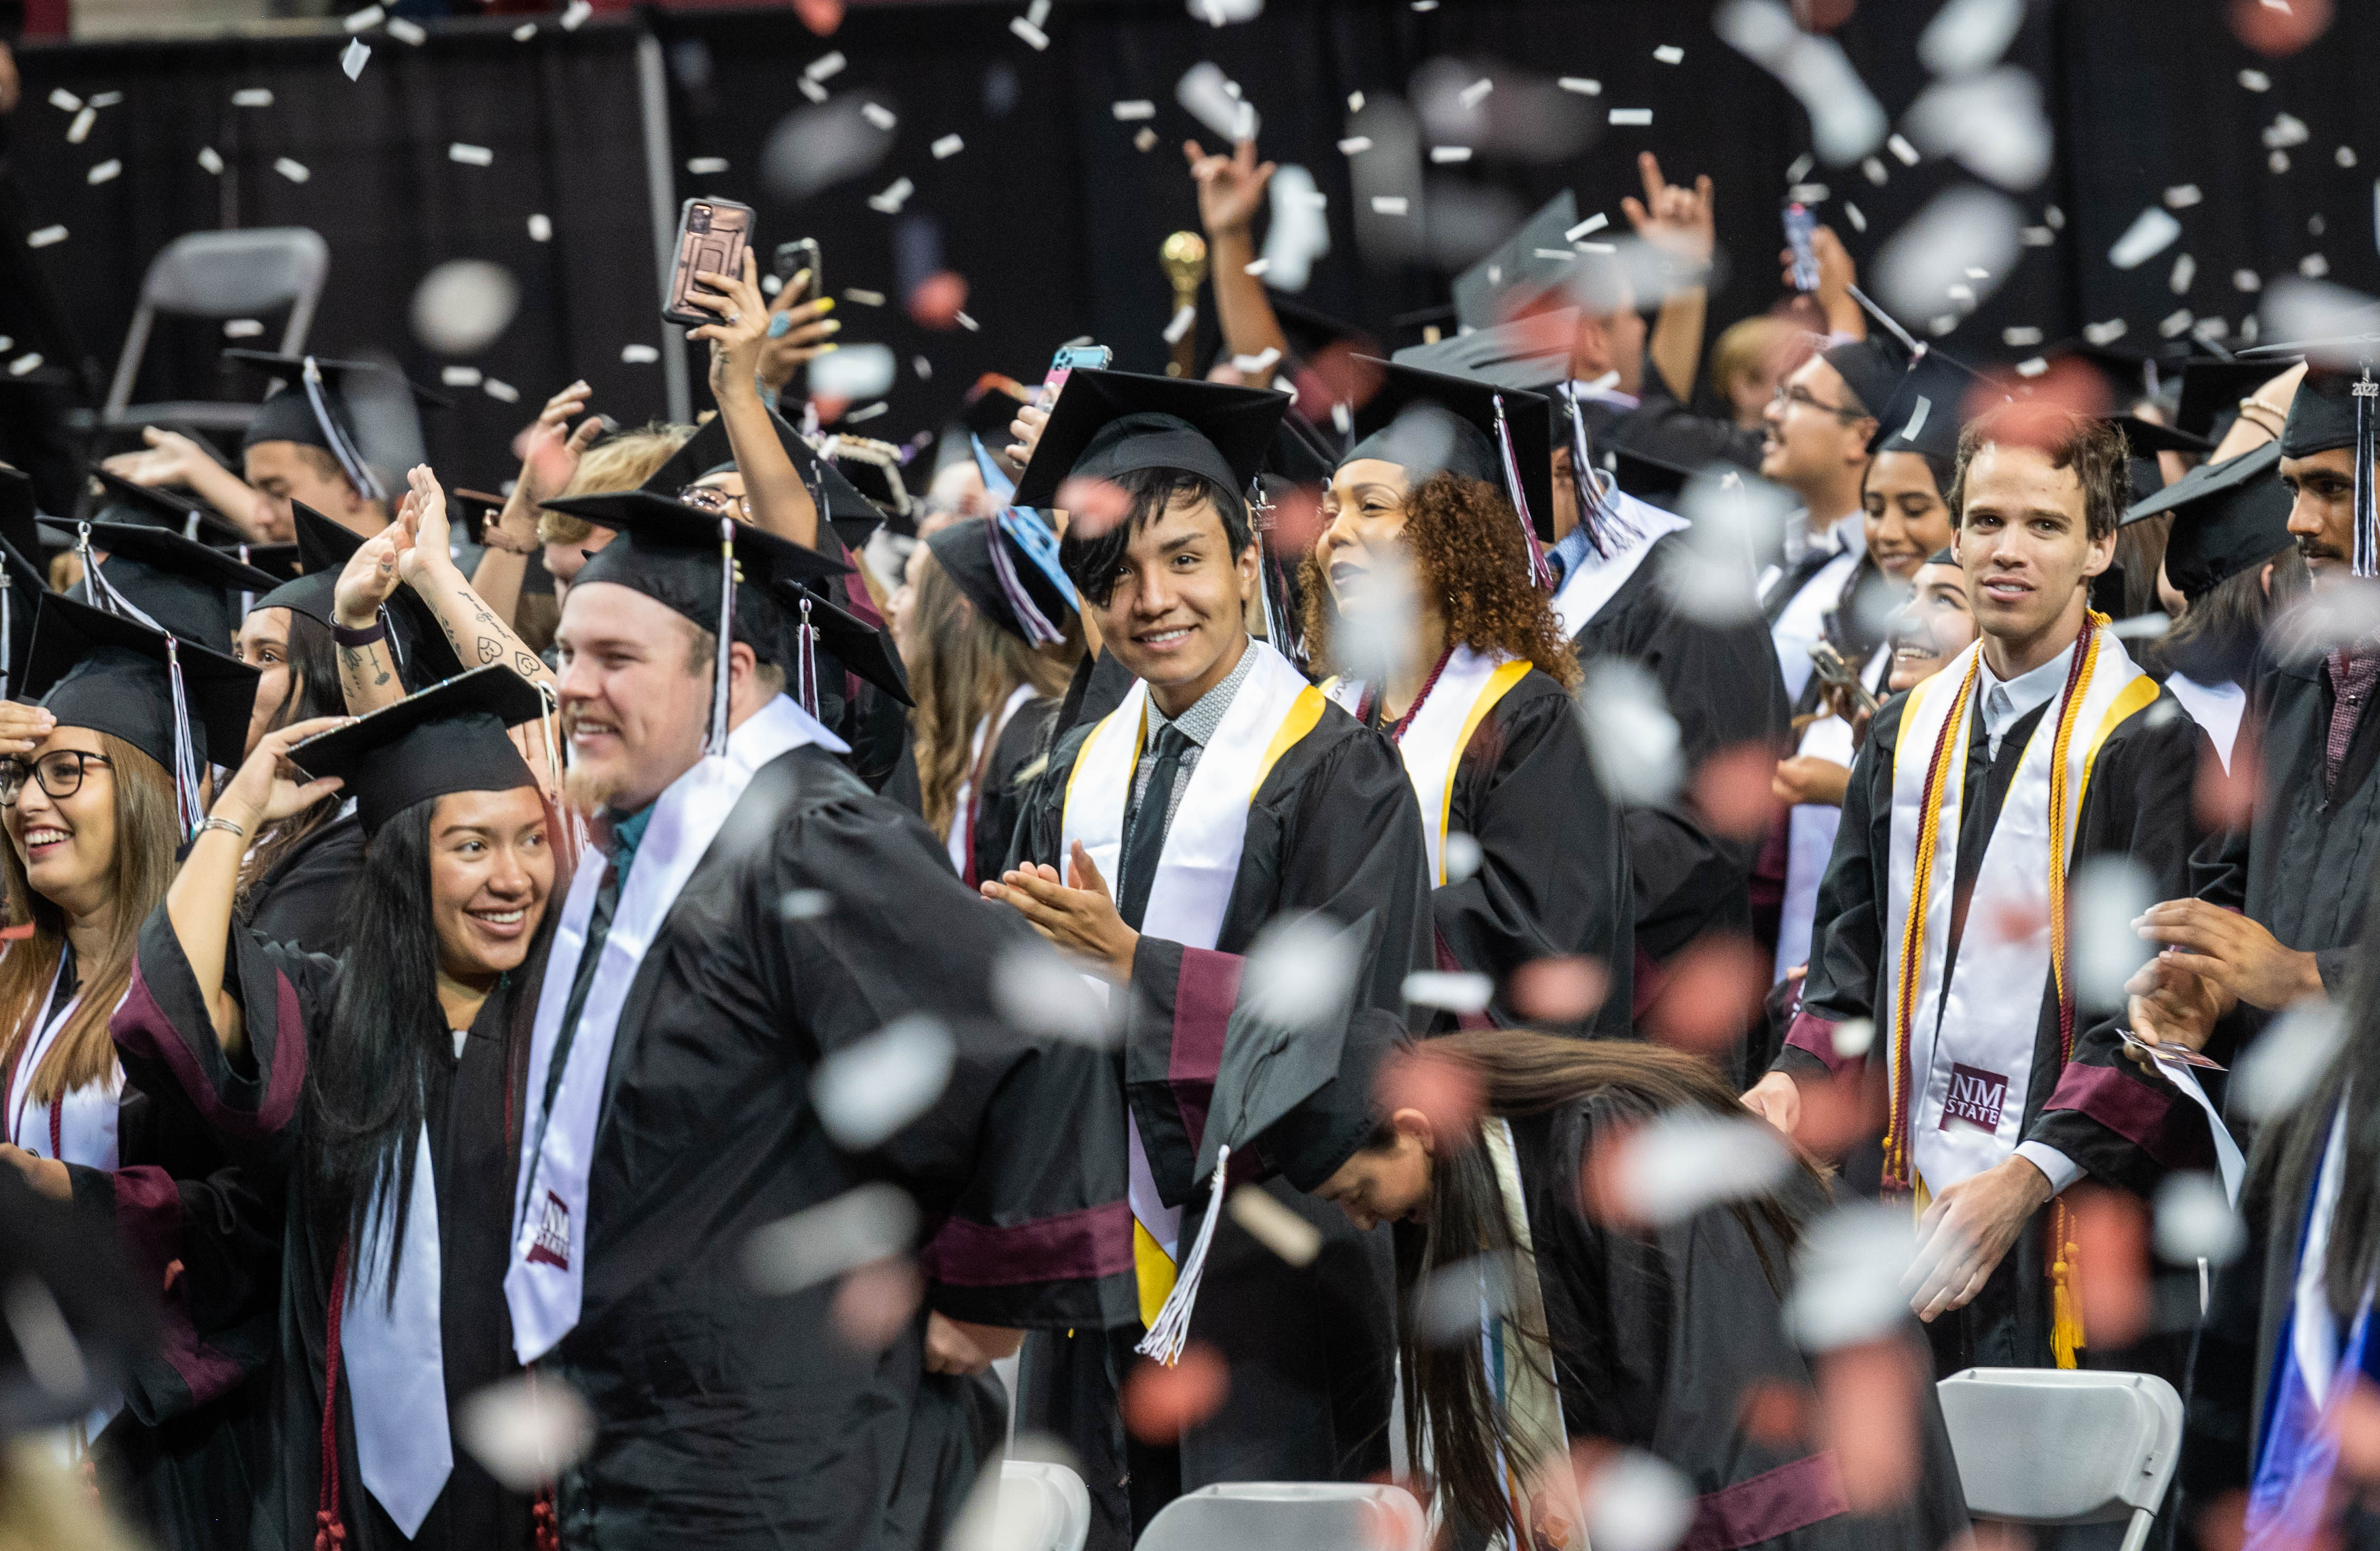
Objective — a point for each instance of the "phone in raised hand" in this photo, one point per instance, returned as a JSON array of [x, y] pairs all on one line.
[[1095, 357], [792, 258], [712, 235], [1801, 226]]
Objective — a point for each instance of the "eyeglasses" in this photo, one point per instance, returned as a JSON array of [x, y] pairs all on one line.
[[60, 772], [1790, 394], [718, 502]]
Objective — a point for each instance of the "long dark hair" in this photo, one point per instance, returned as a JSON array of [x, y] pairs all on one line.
[[369, 1075], [1449, 1402], [2218, 635], [313, 676]]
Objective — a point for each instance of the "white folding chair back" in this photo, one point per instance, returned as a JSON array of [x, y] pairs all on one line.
[[220, 275], [1043, 1506], [2048, 1445], [1289, 1516]]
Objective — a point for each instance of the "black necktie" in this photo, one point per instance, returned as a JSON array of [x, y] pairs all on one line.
[[1145, 843], [598, 926], [1787, 585]]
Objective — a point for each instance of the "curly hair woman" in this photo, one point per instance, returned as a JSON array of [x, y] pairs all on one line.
[[1422, 584]]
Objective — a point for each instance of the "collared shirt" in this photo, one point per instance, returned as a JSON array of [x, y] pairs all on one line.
[[1801, 623], [2005, 703], [1566, 554], [2352, 678], [627, 832], [1198, 725]]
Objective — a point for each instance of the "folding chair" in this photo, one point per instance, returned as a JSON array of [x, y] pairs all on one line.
[[1289, 1516], [1043, 1506], [219, 274], [2048, 1445]]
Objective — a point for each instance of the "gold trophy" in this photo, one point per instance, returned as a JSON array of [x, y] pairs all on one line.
[[1185, 258]]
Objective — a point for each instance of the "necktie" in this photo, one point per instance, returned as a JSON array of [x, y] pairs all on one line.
[[1146, 844]]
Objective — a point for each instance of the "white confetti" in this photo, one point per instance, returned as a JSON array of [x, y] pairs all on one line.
[[1146, 138], [52, 1356], [525, 1431], [502, 391], [1965, 226], [106, 172], [1274, 1225], [1476, 93], [2285, 131], [1355, 145], [1942, 323], [1564, 254], [462, 305], [641, 354], [867, 411], [1587, 227], [295, 171], [525, 32], [1687, 1161], [967, 322], [2106, 333], [1903, 150], [923, 368], [2185, 271], [1447, 155], [2247, 280], [1456, 991], [948, 147], [825, 66], [2183, 196], [1858, 216], [1354, 102], [2032, 366], [1134, 110], [705, 166], [1210, 97], [2036, 237], [867, 1091], [2208, 330], [1799, 167], [1299, 234], [823, 1242], [1635, 1501], [2255, 80], [1462, 855], [470, 155], [1185, 317], [2151, 233], [1992, 124], [242, 328], [878, 114], [890, 201], [369, 16], [2022, 337], [2278, 163], [865, 299], [574, 14], [1582, 85], [353, 58], [1669, 54], [1873, 170], [853, 372], [1389, 204], [1846, 121], [1030, 33], [45, 236], [1966, 36], [1808, 193], [2344, 156], [541, 229], [2286, 1060], [65, 100], [811, 90], [1257, 267], [1425, 4], [24, 364], [459, 377], [209, 160], [408, 31], [1631, 735], [79, 130], [2313, 266], [1037, 12], [1631, 116], [1847, 1276], [1300, 969], [2194, 1221], [252, 97], [2107, 894], [1853, 1037]]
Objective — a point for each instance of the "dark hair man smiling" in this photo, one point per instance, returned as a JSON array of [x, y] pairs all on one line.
[[1223, 792]]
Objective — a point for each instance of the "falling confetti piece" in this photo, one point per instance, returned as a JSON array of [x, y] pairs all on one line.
[[2313, 266], [1389, 204], [24, 363], [1144, 139], [1354, 102], [878, 114], [106, 172], [2185, 271], [462, 305], [638, 355], [2247, 280], [352, 59], [2183, 196], [1355, 145], [1257, 266], [812, 89], [1634, 116], [1582, 85], [1476, 93], [2106, 333], [948, 147], [2345, 156], [1587, 227], [890, 201], [410, 32], [470, 155], [2022, 337], [2194, 1221], [252, 97], [1183, 320], [502, 392], [460, 376], [574, 14], [2286, 129], [541, 229], [2255, 80], [1037, 12], [868, 412], [371, 16], [1425, 4], [209, 160], [1676, 1165], [865, 299], [1874, 171], [65, 100], [1137, 108], [1030, 33], [242, 328], [1447, 155], [295, 171], [703, 166], [1900, 148], [1799, 168], [2036, 237], [1274, 1225], [2034, 366], [968, 323], [869, 1090], [1450, 990], [1858, 216], [1808, 193], [2151, 233], [825, 66], [79, 130], [821, 1242], [2278, 163], [1669, 54], [525, 32]]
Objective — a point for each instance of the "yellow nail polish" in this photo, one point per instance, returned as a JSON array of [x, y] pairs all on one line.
[[835, 325], [824, 348], [826, 304]]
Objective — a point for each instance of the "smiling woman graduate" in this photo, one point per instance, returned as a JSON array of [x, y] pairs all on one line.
[[378, 1092]]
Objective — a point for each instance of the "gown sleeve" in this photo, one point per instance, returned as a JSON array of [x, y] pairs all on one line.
[[1553, 875], [1847, 943], [1018, 1165]]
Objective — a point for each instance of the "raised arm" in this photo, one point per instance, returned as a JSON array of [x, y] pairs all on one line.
[[368, 677], [772, 486], [427, 566], [1676, 222], [264, 791], [1230, 190], [547, 465], [168, 458]]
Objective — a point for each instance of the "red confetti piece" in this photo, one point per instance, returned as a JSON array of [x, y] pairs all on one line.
[[1733, 789], [1712, 992], [16, 934], [1775, 1415], [2276, 31], [1559, 990], [1440, 1088], [2227, 798], [2113, 1234], [876, 1302], [1868, 1414], [1093, 506], [939, 300], [1296, 525], [821, 16], [1159, 1402]]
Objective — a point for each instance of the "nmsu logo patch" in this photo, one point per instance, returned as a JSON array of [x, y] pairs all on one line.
[[1976, 1098], [553, 1244]]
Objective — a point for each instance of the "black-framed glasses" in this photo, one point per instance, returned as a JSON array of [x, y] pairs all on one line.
[[59, 771], [1794, 393], [718, 502]]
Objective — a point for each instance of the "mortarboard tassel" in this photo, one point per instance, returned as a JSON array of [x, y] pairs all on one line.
[[247, 600], [2367, 441], [1540, 574], [186, 755], [806, 679], [7, 638], [1272, 580], [359, 473], [1171, 1330], [717, 742], [1038, 628], [104, 595], [1591, 511]]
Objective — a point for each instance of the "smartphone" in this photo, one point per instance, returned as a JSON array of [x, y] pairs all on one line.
[[710, 235], [1834, 670], [1095, 357], [794, 257], [1800, 227]]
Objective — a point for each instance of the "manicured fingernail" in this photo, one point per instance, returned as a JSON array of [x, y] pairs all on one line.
[[825, 348], [833, 326], [826, 304]]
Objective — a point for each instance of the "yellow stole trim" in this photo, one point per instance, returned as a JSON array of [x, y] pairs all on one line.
[[1500, 684]]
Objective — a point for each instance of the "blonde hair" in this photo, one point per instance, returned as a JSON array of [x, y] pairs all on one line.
[[1750, 344], [620, 463], [966, 670], [138, 873]]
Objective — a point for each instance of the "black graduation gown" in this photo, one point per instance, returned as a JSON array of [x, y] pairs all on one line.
[[1662, 428], [2120, 1125], [2301, 868], [733, 1420], [287, 997], [1553, 856], [1001, 797], [1334, 828], [302, 903], [1657, 1336]]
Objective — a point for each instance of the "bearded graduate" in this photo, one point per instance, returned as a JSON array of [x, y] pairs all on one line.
[[1419, 592], [378, 1091], [1976, 797], [750, 911], [1224, 791]]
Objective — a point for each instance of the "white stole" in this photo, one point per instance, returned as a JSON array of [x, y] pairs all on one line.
[[1468, 687], [1595, 578], [394, 1356], [1274, 708], [545, 1285], [960, 838], [1971, 1052], [86, 1116]]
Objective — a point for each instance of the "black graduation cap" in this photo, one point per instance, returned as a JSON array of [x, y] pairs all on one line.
[[424, 655], [1923, 413], [995, 564], [318, 408], [1872, 369], [1648, 476], [448, 738], [280, 561], [50, 1261], [871, 469], [91, 668], [2227, 517], [121, 501], [2211, 391], [1427, 420], [2322, 416], [1531, 352], [846, 507], [1106, 423], [991, 404], [867, 650], [19, 601], [709, 449], [19, 511], [1514, 274], [475, 508], [2147, 437], [183, 586]]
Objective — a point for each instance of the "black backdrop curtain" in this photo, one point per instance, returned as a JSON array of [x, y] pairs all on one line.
[[1054, 216]]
